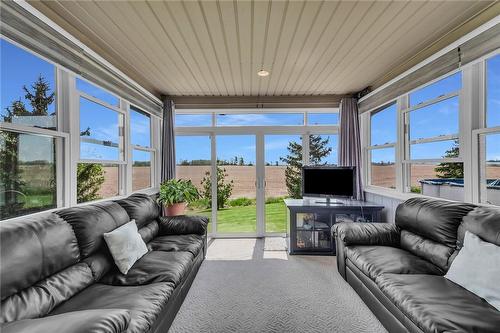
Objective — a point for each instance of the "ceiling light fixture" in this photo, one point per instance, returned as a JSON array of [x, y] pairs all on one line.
[[262, 73]]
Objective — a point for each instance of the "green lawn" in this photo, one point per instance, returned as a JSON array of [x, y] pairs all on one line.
[[243, 218]]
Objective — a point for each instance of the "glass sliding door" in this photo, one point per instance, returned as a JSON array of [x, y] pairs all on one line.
[[283, 161], [193, 159], [236, 184]]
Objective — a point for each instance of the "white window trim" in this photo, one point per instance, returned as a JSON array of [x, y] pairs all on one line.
[[472, 123], [68, 133]]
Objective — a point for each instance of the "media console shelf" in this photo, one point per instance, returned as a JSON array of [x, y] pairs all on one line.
[[309, 222]]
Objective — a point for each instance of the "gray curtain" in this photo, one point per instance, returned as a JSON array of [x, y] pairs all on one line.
[[350, 141], [168, 140]]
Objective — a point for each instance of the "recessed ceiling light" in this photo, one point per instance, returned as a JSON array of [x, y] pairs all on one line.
[[262, 73]]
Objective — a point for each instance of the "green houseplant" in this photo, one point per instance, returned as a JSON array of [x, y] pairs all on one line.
[[175, 194]]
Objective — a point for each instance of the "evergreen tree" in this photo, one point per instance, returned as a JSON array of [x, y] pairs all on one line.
[[40, 98], [450, 170], [293, 173]]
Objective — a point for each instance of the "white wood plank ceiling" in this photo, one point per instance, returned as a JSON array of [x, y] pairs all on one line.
[[215, 48]]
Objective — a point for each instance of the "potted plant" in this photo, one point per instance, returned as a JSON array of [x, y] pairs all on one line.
[[175, 194]]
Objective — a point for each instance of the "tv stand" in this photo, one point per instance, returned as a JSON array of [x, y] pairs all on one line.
[[310, 222]]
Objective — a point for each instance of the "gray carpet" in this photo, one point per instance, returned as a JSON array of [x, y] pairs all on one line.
[[242, 288]]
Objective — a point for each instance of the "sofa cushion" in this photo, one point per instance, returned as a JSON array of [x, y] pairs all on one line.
[[141, 208], [437, 305], [155, 266], [90, 222], [33, 249], [42, 297], [375, 260], [428, 249], [143, 302], [190, 243], [111, 321], [437, 220]]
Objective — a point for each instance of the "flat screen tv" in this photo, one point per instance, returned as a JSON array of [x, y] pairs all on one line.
[[328, 181]]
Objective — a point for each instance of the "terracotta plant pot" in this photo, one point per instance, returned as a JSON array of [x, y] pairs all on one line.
[[175, 209]]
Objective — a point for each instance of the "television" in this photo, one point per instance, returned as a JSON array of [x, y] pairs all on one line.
[[328, 181]]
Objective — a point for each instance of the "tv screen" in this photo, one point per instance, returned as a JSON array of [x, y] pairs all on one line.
[[328, 181]]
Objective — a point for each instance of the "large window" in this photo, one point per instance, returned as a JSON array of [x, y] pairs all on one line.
[[446, 143], [28, 180], [30, 143], [74, 147], [101, 146], [381, 152], [142, 153], [432, 150]]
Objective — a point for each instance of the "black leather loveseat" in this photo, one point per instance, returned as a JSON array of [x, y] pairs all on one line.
[[397, 269], [57, 274]]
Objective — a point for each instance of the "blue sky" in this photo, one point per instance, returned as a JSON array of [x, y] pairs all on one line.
[[19, 68]]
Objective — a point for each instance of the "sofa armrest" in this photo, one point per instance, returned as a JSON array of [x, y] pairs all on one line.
[[345, 234], [109, 321], [183, 225], [385, 234]]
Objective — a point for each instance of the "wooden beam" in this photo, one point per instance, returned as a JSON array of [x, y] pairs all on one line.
[[227, 102]]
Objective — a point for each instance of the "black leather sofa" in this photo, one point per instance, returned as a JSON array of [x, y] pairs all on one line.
[[398, 269], [57, 274]]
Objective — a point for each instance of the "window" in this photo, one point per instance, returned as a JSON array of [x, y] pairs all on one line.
[[493, 91], [96, 92], [28, 181], [432, 150], [449, 84], [382, 151], [260, 119], [193, 159], [192, 120], [322, 118], [100, 132], [24, 78], [101, 147], [142, 153]]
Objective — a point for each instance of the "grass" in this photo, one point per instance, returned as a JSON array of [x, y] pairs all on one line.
[[243, 218]]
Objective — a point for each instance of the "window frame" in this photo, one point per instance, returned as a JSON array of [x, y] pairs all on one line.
[[67, 135], [367, 152], [472, 124], [150, 149]]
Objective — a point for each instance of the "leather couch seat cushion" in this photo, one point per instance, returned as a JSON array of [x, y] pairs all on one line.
[[144, 302], [375, 260], [437, 305], [111, 321], [191, 243], [155, 266]]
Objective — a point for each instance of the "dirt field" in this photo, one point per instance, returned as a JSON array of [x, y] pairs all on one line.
[[141, 179], [243, 177], [385, 175]]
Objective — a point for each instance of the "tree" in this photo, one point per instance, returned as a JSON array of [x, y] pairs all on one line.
[[39, 97], [89, 178], [293, 173], [450, 170], [224, 188]]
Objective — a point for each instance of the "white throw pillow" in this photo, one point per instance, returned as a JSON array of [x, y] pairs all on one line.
[[477, 268], [126, 245]]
